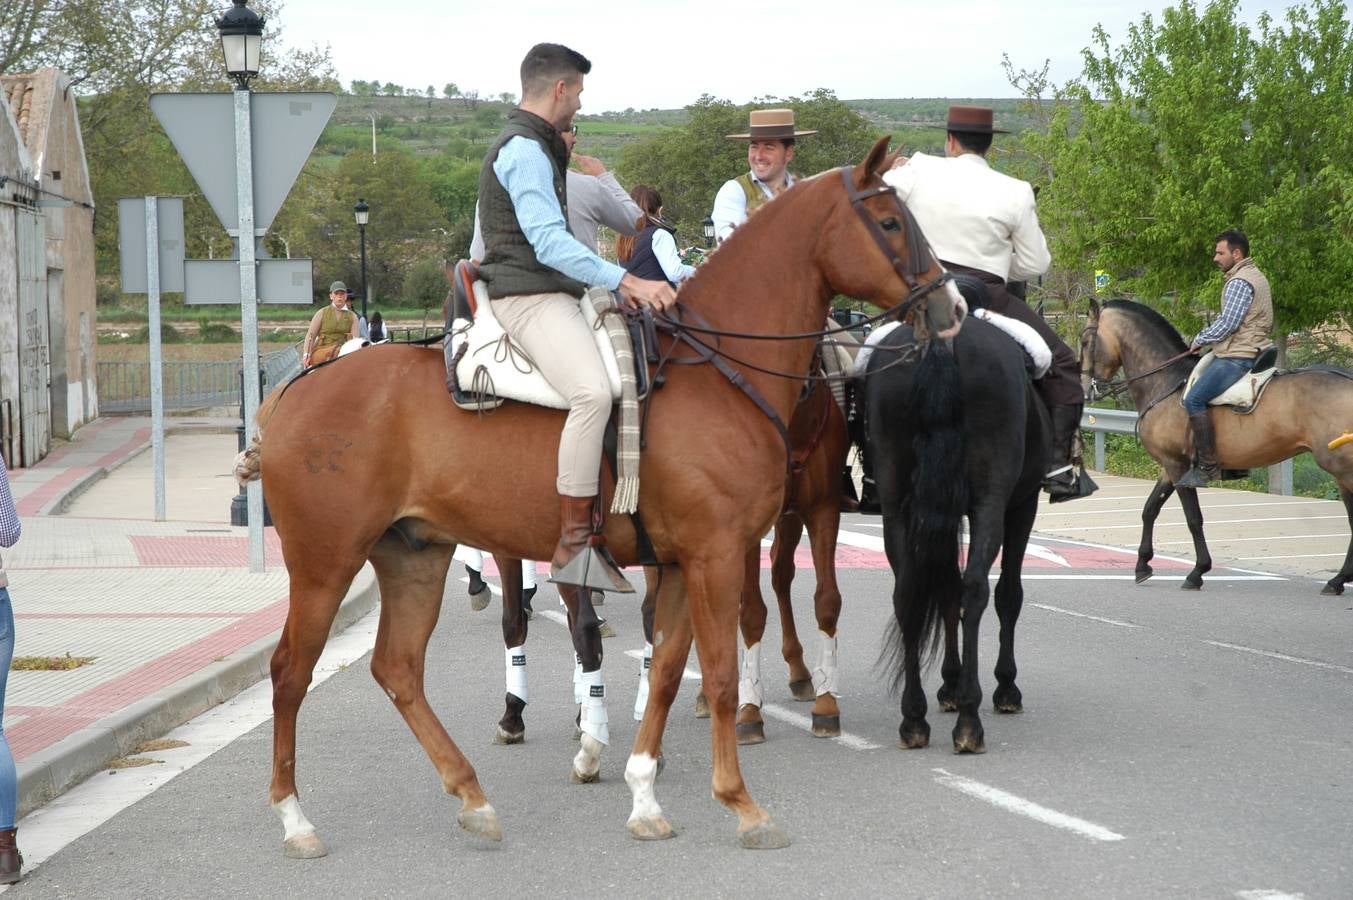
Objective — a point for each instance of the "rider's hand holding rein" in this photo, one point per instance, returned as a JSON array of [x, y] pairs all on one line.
[[642, 292]]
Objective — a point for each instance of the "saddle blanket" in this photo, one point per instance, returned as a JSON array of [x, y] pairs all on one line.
[[1243, 395], [1029, 341], [494, 365]]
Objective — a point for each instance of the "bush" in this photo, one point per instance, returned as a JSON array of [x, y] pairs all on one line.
[[425, 285], [210, 332], [168, 335]]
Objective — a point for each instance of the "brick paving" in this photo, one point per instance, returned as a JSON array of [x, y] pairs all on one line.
[[156, 604]]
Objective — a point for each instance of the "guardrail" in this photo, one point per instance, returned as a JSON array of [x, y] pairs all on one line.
[[124, 387], [1124, 421]]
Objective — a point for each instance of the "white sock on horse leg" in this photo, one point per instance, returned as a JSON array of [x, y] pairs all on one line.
[[579, 692], [749, 687], [641, 700], [528, 574], [472, 557], [514, 662], [595, 722], [826, 679]]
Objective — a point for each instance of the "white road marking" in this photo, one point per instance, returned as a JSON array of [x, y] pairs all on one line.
[[870, 542], [798, 720], [1263, 894], [1294, 556], [1067, 612], [1157, 577], [1271, 654], [1275, 537], [47, 830], [1163, 524], [1022, 807], [1133, 553], [1210, 507]]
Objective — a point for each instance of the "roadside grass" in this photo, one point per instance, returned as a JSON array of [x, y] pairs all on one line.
[[49, 663], [128, 352]]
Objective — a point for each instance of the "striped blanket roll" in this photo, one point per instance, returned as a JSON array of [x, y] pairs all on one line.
[[626, 498]]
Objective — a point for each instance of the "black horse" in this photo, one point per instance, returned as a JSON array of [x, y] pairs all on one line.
[[958, 431]]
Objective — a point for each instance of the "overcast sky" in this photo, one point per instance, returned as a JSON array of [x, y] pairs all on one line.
[[666, 54]]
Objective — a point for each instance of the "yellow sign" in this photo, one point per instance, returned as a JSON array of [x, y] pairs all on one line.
[[1102, 280]]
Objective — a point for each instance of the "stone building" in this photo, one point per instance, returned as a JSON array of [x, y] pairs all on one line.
[[47, 333]]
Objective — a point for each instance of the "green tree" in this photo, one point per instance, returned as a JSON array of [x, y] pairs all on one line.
[[690, 163], [1196, 124], [450, 91]]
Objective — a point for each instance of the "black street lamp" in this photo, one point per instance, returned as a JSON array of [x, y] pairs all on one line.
[[241, 32], [708, 227], [362, 213]]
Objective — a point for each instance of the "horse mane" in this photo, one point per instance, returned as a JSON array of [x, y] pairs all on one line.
[[1152, 321]]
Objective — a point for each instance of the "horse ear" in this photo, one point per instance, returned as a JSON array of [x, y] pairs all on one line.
[[875, 163], [1094, 311]]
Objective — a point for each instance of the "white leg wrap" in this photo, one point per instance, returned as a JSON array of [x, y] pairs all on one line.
[[641, 699], [579, 692], [640, 773], [825, 677], [514, 663], [749, 687], [594, 719], [528, 574], [471, 557], [294, 822]]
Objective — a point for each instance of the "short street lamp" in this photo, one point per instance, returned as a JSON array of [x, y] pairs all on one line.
[[362, 213], [241, 37], [708, 227]]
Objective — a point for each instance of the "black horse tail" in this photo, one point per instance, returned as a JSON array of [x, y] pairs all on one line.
[[930, 581]]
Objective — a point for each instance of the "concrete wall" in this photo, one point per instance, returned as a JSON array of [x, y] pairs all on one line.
[[14, 162]]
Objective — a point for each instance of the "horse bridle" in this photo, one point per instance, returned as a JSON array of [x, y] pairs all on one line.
[[1114, 388]]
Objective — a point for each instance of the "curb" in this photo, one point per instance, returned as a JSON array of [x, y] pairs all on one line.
[[52, 771]]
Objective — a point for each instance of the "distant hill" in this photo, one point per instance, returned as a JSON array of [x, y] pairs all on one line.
[[428, 126]]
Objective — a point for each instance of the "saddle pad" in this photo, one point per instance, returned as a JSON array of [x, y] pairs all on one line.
[[1243, 395], [875, 336], [494, 364], [1030, 341]]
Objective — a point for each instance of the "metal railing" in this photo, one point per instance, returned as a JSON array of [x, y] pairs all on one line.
[[124, 387], [1124, 421]]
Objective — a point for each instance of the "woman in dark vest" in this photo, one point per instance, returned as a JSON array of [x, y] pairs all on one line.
[[653, 253]]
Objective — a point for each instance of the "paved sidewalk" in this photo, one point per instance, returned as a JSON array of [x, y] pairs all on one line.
[[169, 611]]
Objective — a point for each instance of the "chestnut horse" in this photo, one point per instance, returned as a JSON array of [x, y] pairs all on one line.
[[1304, 409], [712, 481]]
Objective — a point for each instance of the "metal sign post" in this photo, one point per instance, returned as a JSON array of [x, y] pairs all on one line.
[[244, 185], [156, 363]]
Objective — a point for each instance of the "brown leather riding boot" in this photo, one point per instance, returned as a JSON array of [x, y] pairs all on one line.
[[11, 860], [1205, 467], [581, 558]]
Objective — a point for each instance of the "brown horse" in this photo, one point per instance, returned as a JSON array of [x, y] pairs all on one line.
[[712, 481], [1304, 409]]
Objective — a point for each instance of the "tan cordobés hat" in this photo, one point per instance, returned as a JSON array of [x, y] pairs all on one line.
[[771, 125]]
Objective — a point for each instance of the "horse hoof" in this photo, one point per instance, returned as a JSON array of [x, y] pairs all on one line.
[[766, 836], [1008, 707], [304, 846], [826, 726], [914, 737], [969, 743], [482, 823], [650, 828], [1192, 584], [751, 733], [1142, 575], [480, 601], [606, 630], [701, 706], [1333, 589], [583, 778], [506, 737], [803, 690]]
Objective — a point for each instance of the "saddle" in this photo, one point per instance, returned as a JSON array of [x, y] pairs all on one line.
[[485, 367], [1244, 395]]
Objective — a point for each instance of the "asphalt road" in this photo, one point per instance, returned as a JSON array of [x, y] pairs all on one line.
[[1173, 744]]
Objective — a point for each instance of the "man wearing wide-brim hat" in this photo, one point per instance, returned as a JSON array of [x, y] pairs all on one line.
[[329, 328], [982, 223], [770, 140]]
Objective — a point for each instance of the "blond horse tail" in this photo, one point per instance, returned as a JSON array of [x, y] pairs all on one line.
[[248, 463]]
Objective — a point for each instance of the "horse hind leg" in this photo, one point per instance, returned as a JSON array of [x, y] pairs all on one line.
[[1019, 522], [511, 727], [412, 583], [313, 605], [788, 533], [751, 728], [822, 531], [1150, 512], [1336, 584]]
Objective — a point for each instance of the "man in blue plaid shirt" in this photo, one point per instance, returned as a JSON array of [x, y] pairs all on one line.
[[1236, 337]]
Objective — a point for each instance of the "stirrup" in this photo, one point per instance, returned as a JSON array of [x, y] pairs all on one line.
[[1069, 484], [593, 568]]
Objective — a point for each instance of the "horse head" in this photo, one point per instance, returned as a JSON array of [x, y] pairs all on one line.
[[871, 247], [1101, 355]]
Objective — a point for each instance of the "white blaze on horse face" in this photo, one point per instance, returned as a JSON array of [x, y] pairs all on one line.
[[825, 677], [294, 822], [641, 698], [514, 662], [640, 773], [749, 687]]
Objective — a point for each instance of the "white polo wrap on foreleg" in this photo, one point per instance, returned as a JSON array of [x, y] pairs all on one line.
[[749, 686], [594, 719], [825, 677], [514, 662], [641, 699], [578, 692], [528, 574]]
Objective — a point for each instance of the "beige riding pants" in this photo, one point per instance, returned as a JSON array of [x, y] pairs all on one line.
[[551, 329]]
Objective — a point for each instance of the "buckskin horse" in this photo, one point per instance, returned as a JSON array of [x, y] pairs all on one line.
[[953, 434], [712, 481], [1304, 409]]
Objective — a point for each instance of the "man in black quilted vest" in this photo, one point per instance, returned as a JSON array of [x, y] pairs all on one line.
[[536, 271]]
